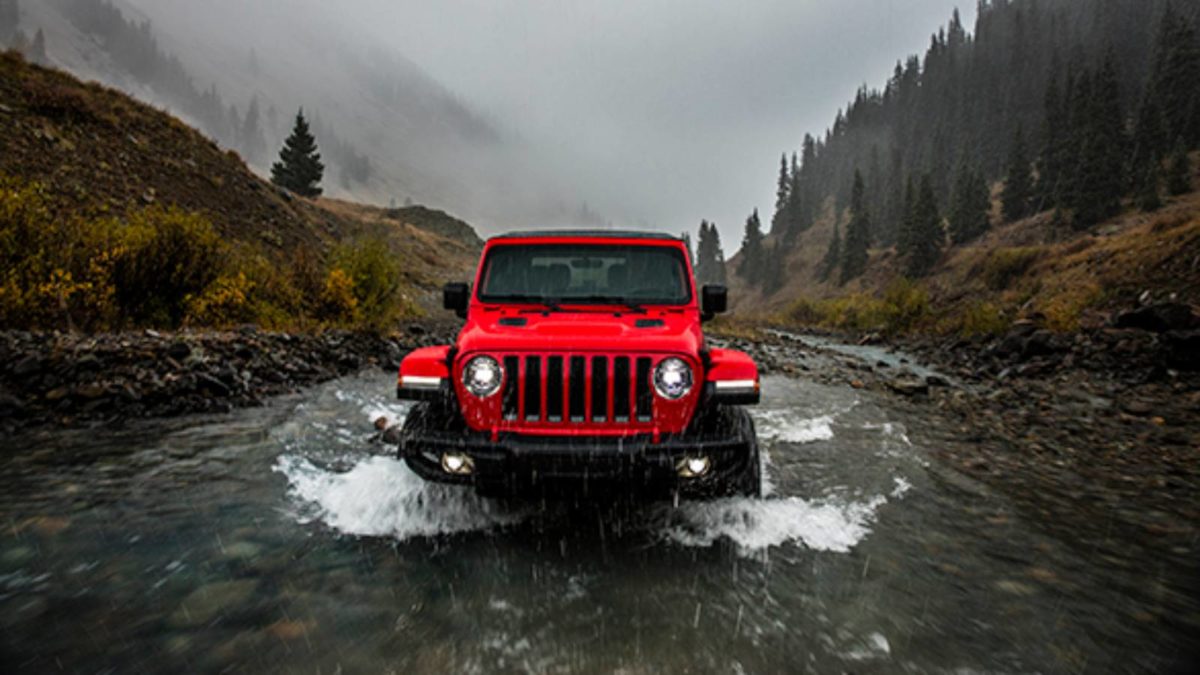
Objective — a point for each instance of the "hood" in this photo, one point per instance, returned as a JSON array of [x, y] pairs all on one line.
[[668, 330]]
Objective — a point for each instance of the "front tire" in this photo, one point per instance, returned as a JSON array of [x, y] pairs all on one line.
[[746, 481]]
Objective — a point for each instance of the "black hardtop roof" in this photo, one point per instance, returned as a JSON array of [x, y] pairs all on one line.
[[602, 234]]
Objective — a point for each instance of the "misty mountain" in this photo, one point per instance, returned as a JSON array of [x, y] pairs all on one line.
[[240, 71], [1036, 73]]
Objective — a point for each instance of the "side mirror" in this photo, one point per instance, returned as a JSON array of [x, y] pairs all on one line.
[[455, 297], [714, 299]]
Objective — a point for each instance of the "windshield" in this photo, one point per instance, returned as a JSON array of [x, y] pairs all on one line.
[[585, 273]]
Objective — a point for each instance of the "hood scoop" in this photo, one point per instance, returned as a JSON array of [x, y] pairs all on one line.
[[513, 321], [650, 323]]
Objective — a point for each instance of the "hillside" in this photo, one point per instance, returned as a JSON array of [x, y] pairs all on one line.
[[1028, 268], [1041, 166], [99, 154]]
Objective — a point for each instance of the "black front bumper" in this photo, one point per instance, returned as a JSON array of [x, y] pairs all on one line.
[[577, 466]]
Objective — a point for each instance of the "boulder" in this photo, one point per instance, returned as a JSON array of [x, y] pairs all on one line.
[[909, 386], [1159, 318]]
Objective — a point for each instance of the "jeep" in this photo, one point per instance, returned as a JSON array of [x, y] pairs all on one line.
[[582, 370]]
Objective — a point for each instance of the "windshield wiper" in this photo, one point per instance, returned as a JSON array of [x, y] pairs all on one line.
[[610, 300], [551, 304]]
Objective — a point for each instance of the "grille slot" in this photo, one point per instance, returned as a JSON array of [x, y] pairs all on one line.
[[645, 402], [533, 388], [554, 389], [599, 389], [620, 395], [512, 378], [577, 389]]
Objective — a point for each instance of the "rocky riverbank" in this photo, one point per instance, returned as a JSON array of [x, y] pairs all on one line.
[[70, 379], [1103, 423]]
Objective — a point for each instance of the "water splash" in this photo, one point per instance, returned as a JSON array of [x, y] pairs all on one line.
[[380, 496], [789, 426], [756, 524]]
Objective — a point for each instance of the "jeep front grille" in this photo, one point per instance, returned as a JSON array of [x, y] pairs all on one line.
[[577, 389]]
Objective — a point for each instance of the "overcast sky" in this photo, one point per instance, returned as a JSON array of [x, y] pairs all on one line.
[[656, 112], [677, 110]]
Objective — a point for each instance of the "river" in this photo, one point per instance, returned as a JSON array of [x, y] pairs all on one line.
[[285, 538]]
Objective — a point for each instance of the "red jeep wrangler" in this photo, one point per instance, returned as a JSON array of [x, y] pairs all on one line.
[[582, 370]]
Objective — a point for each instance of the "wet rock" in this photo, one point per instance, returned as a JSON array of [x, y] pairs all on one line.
[[242, 550], [1183, 349], [909, 386], [90, 391], [935, 380], [179, 350], [1137, 407], [1160, 318], [27, 366], [211, 600]]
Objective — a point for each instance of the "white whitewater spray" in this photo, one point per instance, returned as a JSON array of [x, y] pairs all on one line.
[[380, 496]]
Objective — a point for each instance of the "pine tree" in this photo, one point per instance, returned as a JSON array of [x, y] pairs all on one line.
[[718, 276], [795, 205], [833, 255], [710, 260], [687, 246], [1054, 144], [1102, 156], [927, 235], [782, 198], [1148, 179], [858, 233], [904, 239], [1018, 181], [750, 266], [970, 208], [807, 188], [251, 140], [773, 268], [1175, 80], [1179, 170], [299, 168], [1149, 133], [37, 50]]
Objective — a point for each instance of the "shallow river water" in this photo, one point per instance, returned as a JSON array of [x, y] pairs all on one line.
[[283, 538]]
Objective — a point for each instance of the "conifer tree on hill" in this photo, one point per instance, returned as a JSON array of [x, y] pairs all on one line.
[[750, 266], [299, 168], [927, 233], [1179, 170], [1148, 178], [858, 234], [774, 262], [779, 221], [904, 238], [833, 255], [1175, 79], [719, 276], [710, 260], [37, 49], [1018, 182], [968, 217]]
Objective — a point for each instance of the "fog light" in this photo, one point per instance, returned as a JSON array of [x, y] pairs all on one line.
[[459, 465], [694, 467]]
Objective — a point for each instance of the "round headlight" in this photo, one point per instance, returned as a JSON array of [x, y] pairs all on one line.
[[482, 376], [673, 378]]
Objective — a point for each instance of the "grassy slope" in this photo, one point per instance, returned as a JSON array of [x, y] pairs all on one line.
[[101, 152], [1022, 269]]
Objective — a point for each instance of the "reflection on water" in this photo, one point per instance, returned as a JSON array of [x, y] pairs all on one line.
[[285, 538]]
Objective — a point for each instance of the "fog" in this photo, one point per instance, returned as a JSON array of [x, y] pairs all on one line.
[[655, 113]]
